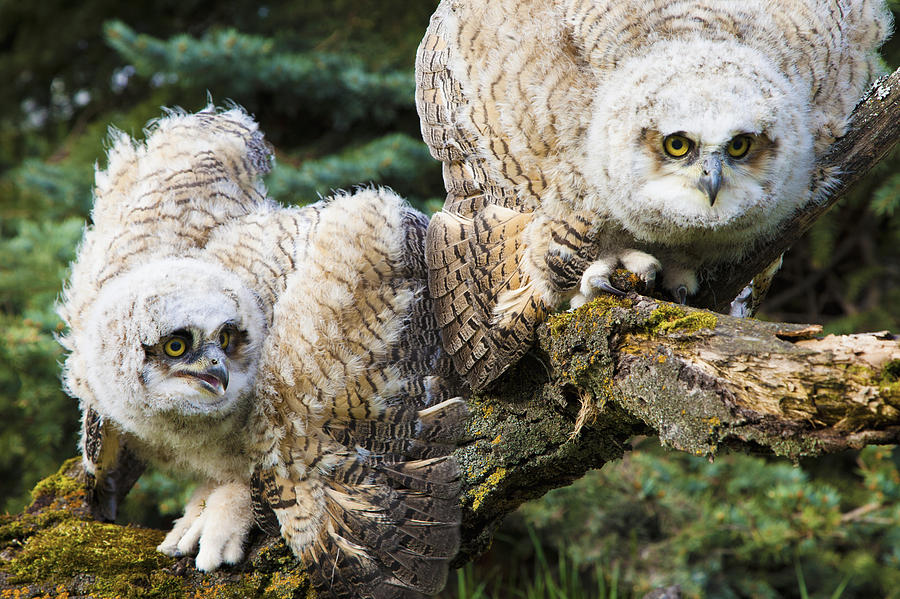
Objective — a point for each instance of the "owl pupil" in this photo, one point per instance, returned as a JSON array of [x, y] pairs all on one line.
[[175, 346], [677, 144]]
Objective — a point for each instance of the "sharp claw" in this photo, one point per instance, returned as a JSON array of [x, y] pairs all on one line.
[[650, 281], [177, 553], [603, 284], [681, 293]]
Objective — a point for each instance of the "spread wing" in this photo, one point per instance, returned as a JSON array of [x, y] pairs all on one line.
[[495, 254], [467, 271], [360, 477]]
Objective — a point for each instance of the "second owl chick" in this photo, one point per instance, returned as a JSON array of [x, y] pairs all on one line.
[[285, 358], [665, 136]]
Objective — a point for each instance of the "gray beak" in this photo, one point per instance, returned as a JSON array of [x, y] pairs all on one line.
[[220, 373], [711, 176], [212, 371]]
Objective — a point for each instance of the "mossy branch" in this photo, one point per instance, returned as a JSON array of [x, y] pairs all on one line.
[[56, 549], [622, 367]]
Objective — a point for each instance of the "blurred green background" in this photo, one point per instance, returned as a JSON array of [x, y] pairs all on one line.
[[331, 85]]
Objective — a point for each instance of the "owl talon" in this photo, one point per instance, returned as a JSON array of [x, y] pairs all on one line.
[[216, 521], [681, 294], [603, 284], [643, 265]]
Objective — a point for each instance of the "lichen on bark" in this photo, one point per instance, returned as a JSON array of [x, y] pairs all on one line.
[[624, 366]]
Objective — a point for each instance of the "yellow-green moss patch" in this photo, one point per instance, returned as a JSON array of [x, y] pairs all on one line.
[[487, 486], [670, 319], [19, 528], [588, 315], [103, 551], [889, 381], [60, 484], [282, 585]]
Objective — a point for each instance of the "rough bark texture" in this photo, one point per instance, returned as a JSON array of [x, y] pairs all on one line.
[[620, 367], [616, 368]]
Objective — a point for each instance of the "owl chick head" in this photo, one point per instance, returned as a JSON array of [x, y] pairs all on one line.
[[178, 337], [699, 138]]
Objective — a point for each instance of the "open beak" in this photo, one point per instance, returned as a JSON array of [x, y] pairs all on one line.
[[209, 370], [711, 177], [214, 378]]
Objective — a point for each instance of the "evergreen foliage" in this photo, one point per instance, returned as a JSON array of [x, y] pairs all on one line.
[[331, 84], [336, 86], [739, 526], [394, 157]]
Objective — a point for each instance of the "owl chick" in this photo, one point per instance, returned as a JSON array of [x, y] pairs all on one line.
[[286, 358], [665, 136]]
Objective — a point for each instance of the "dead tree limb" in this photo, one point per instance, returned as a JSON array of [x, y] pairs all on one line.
[[701, 381]]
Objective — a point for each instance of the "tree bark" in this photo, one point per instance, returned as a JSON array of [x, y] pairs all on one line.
[[702, 382], [598, 376]]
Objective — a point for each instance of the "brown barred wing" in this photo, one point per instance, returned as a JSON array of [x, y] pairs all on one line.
[[361, 478], [111, 467]]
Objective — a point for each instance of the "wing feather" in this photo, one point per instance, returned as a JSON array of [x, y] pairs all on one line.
[[363, 486]]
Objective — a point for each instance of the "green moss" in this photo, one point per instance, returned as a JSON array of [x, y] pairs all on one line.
[[274, 557], [103, 551], [284, 585], [15, 529], [487, 486], [61, 484], [665, 313], [588, 316], [890, 377], [57, 498], [671, 319], [583, 329]]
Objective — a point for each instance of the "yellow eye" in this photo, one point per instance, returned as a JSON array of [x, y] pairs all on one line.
[[677, 146], [739, 146], [224, 339], [175, 346]]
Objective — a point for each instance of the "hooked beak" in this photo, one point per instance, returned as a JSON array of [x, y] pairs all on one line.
[[711, 177], [209, 370], [214, 378]]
